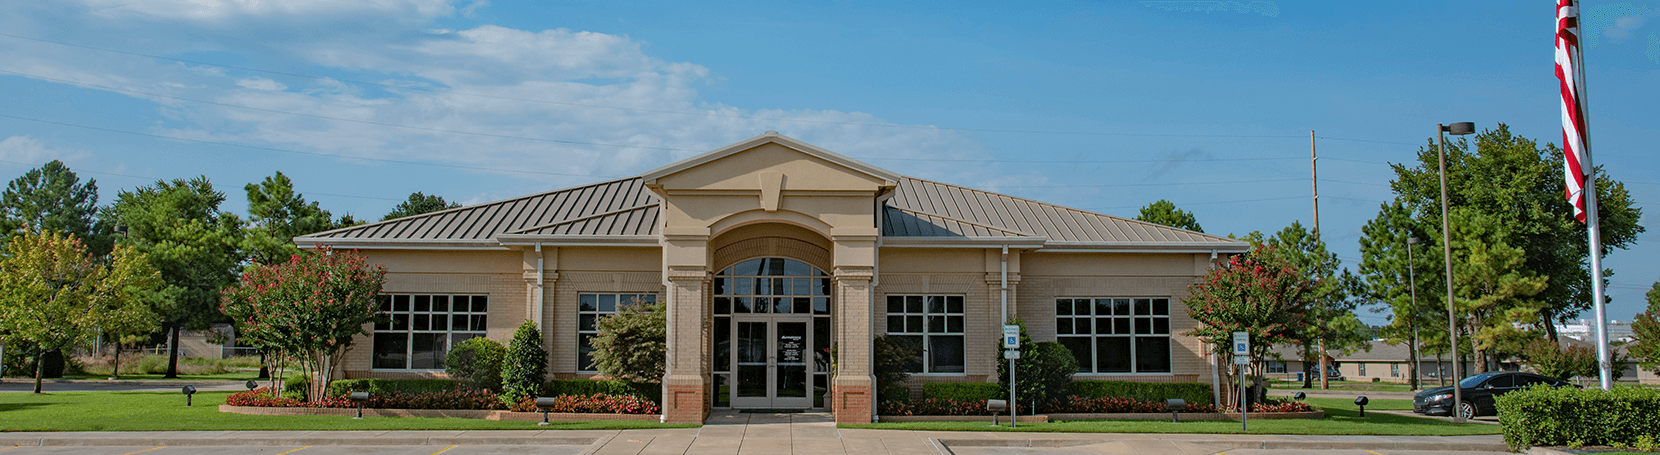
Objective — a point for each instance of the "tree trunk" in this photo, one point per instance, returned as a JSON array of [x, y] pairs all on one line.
[[1412, 355], [115, 366], [173, 354], [264, 370], [1550, 326], [40, 366], [1440, 373]]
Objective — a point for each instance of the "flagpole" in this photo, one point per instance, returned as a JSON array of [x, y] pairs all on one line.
[[1605, 376]]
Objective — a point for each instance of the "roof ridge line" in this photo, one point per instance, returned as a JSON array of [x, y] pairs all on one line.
[[1062, 207], [585, 218], [467, 207], [963, 221]]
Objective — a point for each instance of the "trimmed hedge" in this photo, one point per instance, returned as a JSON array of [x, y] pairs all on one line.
[[965, 391], [381, 386], [1195, 393], [589, 387], [1566, 416]]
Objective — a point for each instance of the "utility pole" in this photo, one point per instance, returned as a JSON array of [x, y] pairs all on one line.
[[1314, 175]]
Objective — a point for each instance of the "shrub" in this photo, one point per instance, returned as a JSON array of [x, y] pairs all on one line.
[[295, 387], [892, 361], [596, 403], [380, 386], [525, 366], [1559, 416], [899, 392], [458, 398], [965, 391], [477, 361], [1079, 404], [895, 408], [632, 344], [263, 397], [588, 387], [1044, 371], [1194, 393]]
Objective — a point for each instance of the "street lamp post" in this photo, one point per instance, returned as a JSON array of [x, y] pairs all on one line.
[[1412, 283], [1457, 129]]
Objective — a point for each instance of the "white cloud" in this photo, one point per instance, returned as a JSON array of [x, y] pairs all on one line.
[[26, 150], [209, 10], [523, 94]]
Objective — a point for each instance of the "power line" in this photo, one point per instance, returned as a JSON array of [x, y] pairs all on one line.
[[273, 149], [634, 109], [1148, 184], [1200, 203]]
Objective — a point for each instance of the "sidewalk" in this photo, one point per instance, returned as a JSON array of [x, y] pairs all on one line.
[[742, 434]]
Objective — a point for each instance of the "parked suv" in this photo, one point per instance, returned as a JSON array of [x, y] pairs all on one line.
[[1479, 393]]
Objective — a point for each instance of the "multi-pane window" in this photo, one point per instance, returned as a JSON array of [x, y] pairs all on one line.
[[1115, 335], [1275, 366], [1394, 370], [418, 330], [591, 307], [931, 325], [772, 285]]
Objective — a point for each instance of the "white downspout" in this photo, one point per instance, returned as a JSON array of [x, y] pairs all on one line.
[[541, 272], [1215, 371], [1004, 283]]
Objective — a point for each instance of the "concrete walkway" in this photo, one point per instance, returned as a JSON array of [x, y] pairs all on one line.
[[730, 433]]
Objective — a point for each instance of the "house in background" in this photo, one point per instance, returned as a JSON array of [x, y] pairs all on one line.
[[773, 255]]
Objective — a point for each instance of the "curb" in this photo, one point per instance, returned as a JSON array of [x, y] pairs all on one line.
[[1252, 444], [298, 440], [1545, 451]]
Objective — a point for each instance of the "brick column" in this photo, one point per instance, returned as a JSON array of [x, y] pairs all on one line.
[[854, 389], [685, 381]]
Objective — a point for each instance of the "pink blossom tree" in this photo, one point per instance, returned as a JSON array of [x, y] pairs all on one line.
[[1257, 293], [308, 309]]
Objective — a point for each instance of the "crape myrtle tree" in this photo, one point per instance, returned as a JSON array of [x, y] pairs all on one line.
[[178, 225], [277, 214], [1257, 293], [417, 204], [631, 343], [1329, 322], [1165, 213], [55, 294], [308, 308], [1518, 184]]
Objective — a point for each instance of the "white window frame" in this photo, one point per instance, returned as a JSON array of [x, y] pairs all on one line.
[[1132, 333], [598, 312], [927, 317], [390, 312]]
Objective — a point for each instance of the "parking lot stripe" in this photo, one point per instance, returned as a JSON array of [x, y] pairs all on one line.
[[145, 450], [1373, 453], [295, 450], [9, 448], [446, 449]]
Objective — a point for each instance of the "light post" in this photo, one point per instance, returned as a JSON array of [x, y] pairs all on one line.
[[1457, 129], [1412, 283]]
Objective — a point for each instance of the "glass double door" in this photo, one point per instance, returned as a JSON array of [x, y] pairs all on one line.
[[773, 364]]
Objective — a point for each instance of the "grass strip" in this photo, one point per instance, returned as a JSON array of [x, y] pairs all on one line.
[[165, 411]]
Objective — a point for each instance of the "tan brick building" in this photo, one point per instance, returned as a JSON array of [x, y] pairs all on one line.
[[772, 254]]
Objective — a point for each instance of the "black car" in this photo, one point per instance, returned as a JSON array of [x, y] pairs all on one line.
[[1478, 392]]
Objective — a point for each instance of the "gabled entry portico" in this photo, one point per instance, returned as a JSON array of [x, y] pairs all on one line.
[[736, 211]]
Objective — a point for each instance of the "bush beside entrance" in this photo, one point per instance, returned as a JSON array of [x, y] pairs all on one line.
[[1565, 416]]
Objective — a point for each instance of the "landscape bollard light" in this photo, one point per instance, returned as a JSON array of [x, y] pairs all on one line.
[[188, 391], [1175, 404], [542, 404], [251, 385], [1361, 402], [359, 398], [996, 406], [1300, 396]]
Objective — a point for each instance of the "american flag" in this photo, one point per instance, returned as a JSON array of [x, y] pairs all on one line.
[[1573, 114]]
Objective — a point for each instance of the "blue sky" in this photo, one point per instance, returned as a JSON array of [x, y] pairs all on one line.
[[1105, 106]]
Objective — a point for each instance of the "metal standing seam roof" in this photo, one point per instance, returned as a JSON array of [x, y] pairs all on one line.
[[626, 208]]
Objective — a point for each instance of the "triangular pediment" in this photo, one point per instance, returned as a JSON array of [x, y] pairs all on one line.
[[749, 164]]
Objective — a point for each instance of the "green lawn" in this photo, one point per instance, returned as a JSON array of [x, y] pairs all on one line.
[[231, 376], [151, 411], [1349, 403], [1347, 385], [1341, 418]]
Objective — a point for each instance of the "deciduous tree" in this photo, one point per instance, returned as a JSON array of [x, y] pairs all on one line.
[[1329, 320], [631, 343], [56, 295], [1646, 328]]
